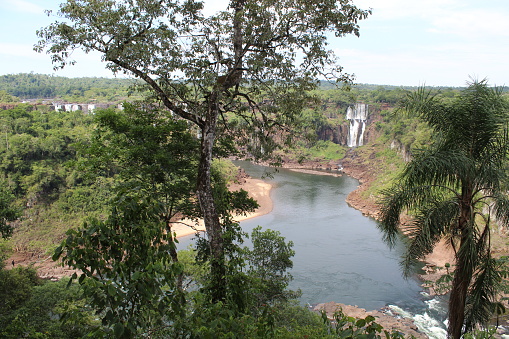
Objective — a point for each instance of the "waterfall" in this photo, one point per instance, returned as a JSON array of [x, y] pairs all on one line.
[[357, 116]]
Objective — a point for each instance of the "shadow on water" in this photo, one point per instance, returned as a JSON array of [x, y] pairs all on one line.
[[340, 255]]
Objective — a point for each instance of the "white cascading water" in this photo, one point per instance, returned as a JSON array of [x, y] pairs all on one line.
[[357, 117], [424, 322]]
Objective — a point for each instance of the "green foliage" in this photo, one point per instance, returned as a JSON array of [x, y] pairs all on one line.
[[226, 169], [284, 321], [47, 313], [128, 274], [317, 150], [38, 86], [7, 98], [267, 264], [8, 212], [327, 150], [446, 188], [294, 321], [37, 144], [16, 287], [346, 327], [257, 277], [195, 272], [149, 153], [37, 147], [481, 333], [407, 132]]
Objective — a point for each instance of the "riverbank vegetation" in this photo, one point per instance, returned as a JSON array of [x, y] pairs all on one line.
[[58, 170], [242, 82], [454, 189]]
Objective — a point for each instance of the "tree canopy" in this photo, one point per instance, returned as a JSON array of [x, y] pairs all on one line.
[[254, 60], [456, 189]]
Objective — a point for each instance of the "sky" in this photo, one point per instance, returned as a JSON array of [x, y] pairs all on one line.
[[403, 43]]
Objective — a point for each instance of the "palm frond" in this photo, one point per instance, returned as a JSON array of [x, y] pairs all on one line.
[[501, 208], [446, 188], [403, 198], [481, 297], [440, 167], [428, 227]]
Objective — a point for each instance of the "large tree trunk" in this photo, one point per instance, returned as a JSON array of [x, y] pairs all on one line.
[[457, 301], [208, 206], [463, 271]]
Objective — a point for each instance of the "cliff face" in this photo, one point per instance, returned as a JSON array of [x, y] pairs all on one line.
[[401, 149], [338, 133]]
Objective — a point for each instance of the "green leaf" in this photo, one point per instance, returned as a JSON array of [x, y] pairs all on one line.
[[136, 275], [369, 319], [111, 290], [360, 323], [57, 253], [118, 329]]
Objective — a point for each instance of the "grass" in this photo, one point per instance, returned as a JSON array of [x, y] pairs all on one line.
[[327, 150], [321, 151]]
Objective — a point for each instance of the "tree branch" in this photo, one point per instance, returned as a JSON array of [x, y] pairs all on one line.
[[160, 93]]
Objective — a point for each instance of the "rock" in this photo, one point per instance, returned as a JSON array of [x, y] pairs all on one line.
[[389, 322]]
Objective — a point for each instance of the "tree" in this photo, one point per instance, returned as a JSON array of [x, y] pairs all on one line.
[[126, 270], [7, 98], [39, 314], [8, 212], [153, 156], [454, 190], [267, 265], [256, 60], [130, 267]]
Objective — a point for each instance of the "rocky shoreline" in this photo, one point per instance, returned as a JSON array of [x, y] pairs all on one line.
[[260, 190], [385, 317], [369, 207]]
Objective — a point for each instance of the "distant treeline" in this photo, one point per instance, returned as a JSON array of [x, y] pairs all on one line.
[[40, 86], [25, 86]]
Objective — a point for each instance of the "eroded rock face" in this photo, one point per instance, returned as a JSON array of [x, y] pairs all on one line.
[[383, 317]]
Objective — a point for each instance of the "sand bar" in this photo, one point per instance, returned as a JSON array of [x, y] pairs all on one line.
[[256, 188]]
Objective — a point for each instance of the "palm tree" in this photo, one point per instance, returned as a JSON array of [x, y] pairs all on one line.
[[453, 190]]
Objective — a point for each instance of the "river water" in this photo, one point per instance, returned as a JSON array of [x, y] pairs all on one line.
[[340, 255]]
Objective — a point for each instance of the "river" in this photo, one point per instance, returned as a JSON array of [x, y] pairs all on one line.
[[340, 255]]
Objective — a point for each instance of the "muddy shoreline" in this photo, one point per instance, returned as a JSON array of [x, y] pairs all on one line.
[[260, 190], [442, 253]]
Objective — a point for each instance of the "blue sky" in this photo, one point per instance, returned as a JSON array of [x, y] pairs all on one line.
[[404, 42]]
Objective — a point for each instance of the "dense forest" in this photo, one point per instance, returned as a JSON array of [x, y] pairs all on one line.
[[40, 86], [66, 174], [102, 191], [84, 90]]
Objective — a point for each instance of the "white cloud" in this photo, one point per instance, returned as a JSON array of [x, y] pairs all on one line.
[[463, 18], [437, 42], [23, 6], [440, 65], [397, 9], [17, 50], [473, 23]]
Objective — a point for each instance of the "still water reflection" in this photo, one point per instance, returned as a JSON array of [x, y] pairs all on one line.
[[339, 252], [340, 255]]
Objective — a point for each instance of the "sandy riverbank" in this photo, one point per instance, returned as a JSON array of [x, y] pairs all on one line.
[[48, 269], [259, 190], [256, 188]]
